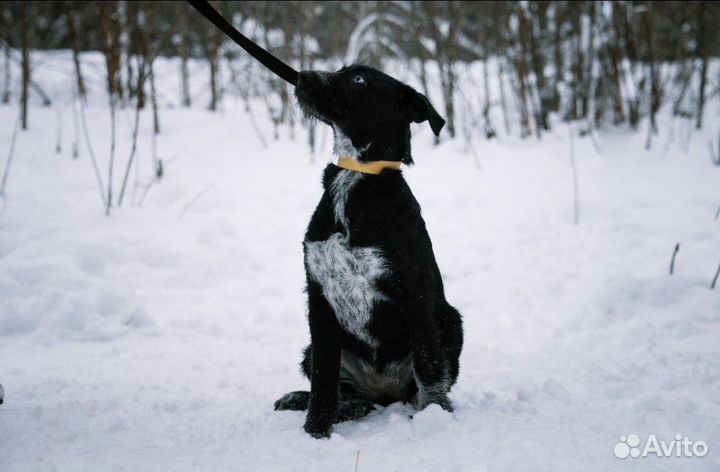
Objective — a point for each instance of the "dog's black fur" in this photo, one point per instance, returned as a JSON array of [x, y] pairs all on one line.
[[381, 329]]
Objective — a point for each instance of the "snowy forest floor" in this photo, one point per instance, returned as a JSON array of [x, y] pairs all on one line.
[[158, 338]]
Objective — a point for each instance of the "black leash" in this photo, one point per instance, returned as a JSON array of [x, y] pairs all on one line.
[[277, 66]]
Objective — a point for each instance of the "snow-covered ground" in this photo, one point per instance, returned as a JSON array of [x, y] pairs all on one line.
[[159, 337]]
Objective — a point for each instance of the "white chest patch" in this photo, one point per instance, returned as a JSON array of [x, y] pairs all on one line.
[[343, 146], [347, 274]]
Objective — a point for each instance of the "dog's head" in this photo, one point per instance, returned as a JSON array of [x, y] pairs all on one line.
[[369, 111]]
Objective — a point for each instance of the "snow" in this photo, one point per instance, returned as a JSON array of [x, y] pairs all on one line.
[[158, 338]]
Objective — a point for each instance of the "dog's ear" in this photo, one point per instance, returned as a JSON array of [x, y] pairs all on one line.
[[421, 110]]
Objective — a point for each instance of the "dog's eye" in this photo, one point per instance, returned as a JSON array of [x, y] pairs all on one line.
[[359, 79]]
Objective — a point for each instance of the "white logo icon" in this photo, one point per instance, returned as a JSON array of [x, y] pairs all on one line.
[[629, 446]]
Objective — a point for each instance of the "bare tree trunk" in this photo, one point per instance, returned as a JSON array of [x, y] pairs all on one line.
[[286, 112], [129, 22], [682, 79], [447, 73], [579, 96], [111, 50], [445, 51], [5, 39], [654, 87], [575, 65], [537, 23], [448, 86], [503, 100], [554, 102], [76, 129], [153, 100], [91, 153], [117, 50], [426, 90], [615, 57], [590, 61], [420, 18], [8, 162], [113, 106], [631, 54], [521, 72], [8, 76], [715, 279], [274, 87], [184, 53], [123, 24], [595, 106], [488, 127], [213, 83], [185, 83], [306, 62], [240, 85], [24, 44], [212, 47], [70, 20], [573, 168], [702, 52], [133, 149], [58, 115], [151, 50], [144, 40]]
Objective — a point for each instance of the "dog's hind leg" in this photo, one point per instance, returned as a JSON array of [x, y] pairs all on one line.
[[451, 340], [297, 401], [348, 408], [353, 408]]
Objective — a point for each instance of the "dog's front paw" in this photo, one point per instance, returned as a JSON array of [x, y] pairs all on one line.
[[318, 429], [442, 400], [424, 398], [297, 401]]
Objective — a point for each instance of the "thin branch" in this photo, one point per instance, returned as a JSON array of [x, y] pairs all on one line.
[[194, 199], [714, 157], [76, 132], [11, 152], [136, 184], [158, 175], [46, 102], [133, 150], [715, 279], [246, 100], [146, 189], [58, 114], [113, 104], [83, 120], [157, 163], [131, 159], [672, 259], [573, 166], [595, 139]]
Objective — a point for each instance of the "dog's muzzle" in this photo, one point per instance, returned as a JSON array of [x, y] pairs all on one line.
[[308, 91]]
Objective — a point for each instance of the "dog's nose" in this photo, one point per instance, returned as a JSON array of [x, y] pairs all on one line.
[[306, 77]]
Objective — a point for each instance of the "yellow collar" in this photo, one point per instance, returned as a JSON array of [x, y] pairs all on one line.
[[372, 167]]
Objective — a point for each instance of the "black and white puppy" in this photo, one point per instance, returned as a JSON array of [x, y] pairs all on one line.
[[381, 330]]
